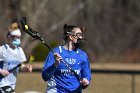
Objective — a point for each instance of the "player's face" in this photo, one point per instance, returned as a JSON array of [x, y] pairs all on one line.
[[77, 34]]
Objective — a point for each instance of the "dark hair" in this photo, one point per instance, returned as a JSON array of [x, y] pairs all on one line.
[[8, 35], [67, 29]]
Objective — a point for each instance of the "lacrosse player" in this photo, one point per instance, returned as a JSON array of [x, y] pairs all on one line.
[[59, 77], [11, 54]]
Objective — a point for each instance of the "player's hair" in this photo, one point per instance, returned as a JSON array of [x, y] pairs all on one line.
[[68, 28], [14, 26]]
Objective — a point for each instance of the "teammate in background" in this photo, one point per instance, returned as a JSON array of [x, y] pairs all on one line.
[[60, 78], [11, 54]]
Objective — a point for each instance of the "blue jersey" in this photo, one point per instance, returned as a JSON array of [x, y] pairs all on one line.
[[61, 79]]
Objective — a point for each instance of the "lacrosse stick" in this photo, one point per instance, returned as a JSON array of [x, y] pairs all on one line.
[[31, 59], [36, 35]]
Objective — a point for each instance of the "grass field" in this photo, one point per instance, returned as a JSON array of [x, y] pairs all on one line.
[[101, 83]]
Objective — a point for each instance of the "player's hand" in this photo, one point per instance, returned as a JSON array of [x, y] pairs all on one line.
[[27, 68], [4, 73], [84, 82], [57, 59]]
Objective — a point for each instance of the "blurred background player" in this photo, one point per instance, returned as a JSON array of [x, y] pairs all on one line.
[[11, 54]]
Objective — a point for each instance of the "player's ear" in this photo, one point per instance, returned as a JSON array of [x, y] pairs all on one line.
[[70, 37]]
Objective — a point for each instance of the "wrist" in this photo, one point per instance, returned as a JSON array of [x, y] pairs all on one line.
[[56, 64], [22, 66]]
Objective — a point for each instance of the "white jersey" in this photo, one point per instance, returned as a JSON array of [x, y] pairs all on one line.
[[10, 58]]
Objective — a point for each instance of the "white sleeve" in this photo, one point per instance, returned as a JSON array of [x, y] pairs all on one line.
[[1, 53], [22, 54]]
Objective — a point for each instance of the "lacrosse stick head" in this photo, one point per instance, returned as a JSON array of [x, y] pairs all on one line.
[[27, 29]]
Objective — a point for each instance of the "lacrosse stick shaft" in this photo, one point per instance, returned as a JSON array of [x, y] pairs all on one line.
[[11, 70]]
